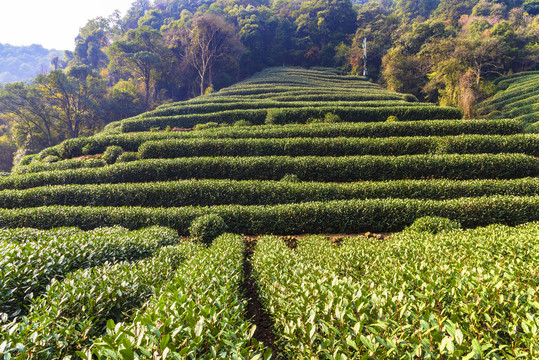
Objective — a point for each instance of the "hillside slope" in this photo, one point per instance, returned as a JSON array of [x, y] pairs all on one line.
[[288, 95], [517, 97], [131, 288], [367, 174]]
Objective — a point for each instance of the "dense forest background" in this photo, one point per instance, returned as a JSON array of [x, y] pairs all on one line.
[[444, 51]]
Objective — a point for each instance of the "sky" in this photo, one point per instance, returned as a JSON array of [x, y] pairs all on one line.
[[51, 23]]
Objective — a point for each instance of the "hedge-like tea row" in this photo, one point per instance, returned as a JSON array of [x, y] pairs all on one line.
[[309, 168], [255, 192], [256, 116], [25, 273], [295, 295], [515, 76], [343, 216], [200, 314], [294, 96], [131, 142], [464, 144], [300, 115], [516, 97], [209, 107], [75, 310], [24, 235], [358, 114], [323, 94], [59, 165], [418, 295]]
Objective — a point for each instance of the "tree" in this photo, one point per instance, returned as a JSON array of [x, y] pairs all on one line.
[[124, 101], [378, 24], [140, 53], [211, 41], [412, 9], [403, 72], [137, 10], [153, 19], [74, 98], [322, 25], [28, 116], [531, 7]]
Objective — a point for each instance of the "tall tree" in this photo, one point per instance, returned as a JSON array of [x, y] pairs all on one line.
[[212, 40], [28, 115], [140, 53], [74, 98]]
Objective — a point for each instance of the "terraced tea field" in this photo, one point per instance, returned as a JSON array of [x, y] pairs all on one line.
[[517, 97], [94, 263]]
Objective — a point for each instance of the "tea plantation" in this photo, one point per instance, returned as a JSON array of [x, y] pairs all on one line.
[[517, 97], [97, 264]]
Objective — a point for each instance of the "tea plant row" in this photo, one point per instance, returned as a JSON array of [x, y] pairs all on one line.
[[256, 192], [396, 146], [308, 168], [287, 116], [131, 142], [74, 311], [199, 314], [341, 216], [25, 272], [455, 295]]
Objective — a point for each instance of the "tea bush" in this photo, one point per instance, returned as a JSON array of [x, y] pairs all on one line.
[[417, 294], [25, 272], [131, 142], [74, 311], [255, 192], [462, 144], [111, 154], [206, 228], [433, 225], [199, 314], [340, 216], [308, 168]]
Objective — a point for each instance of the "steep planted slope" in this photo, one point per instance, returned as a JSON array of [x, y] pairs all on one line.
[[517, 97], [338, 177], [288, 95]]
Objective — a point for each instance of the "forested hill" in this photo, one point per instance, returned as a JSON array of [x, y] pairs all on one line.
[[19, 63], [447, 52]]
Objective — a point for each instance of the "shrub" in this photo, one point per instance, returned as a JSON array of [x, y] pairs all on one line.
[[207, 125], [131, 142], [434, 224], [330, 118], [344, 216], [341, 146], [199, 314], [88, 149], [255, 192], [206, 228], [51, 159], [361, 114], [128, 156], [111, 154], [409, 98], [58, 165], [392, 118], [308, 168], [27, 159], [243, 123], [532, 128]]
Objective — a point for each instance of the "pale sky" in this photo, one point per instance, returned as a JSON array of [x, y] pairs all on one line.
[[51, 23]]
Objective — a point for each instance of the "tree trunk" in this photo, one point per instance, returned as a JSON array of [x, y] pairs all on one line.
[[202, 78]]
